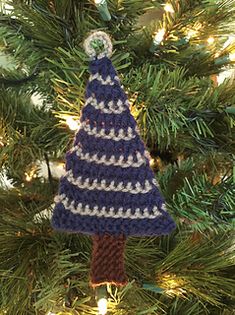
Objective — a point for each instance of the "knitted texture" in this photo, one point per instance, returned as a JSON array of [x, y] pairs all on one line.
[[107, 264], [109, 186]]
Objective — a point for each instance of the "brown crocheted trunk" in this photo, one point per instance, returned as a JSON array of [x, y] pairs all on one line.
[[107, 265]]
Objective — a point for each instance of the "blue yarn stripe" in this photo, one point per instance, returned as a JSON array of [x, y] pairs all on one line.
[[110, 199], [97, 118], [89, 170], [65, 220], [108, 147]]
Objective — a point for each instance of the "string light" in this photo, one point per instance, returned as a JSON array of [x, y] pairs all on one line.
[[101, 297], [232, 56], [28, 178], [59, 167], [159, 36], [102, 306], [72, 123], [31, 174], [222, 60], [225, 59], [103, 9], [169, 8], [172, 284], [157, 39], [192, 32], [210, 40]]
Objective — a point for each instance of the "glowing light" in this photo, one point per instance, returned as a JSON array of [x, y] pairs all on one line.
[[31, 174], [232, 56], [172, 284], [102, 306], [191, 33], [225, 75], [60, 166], [72, 123], [169, 8], [28, 178], [152, 162], [210, 40], [158, 37]]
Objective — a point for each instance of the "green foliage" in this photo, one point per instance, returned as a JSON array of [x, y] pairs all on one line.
[[181, 112], [196, 267], [29, 132], [198, 198], [186, 33]]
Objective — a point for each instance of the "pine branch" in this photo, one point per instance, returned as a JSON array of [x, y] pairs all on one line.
[[29, 132], [197, 200], [185, 39], [195, 267], [12, 82], [180, 112]]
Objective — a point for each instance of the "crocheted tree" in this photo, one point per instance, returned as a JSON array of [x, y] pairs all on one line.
[[109, 189]]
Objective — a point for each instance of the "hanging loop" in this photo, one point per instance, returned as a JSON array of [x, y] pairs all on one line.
[[98, 45]]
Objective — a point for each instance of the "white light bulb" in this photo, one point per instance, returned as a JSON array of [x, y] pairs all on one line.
[[28, 178], [99, 1], [191, 33], [73, 124], [169, 8], [159, 36], [232, 56], [210, 40], [102, 306]]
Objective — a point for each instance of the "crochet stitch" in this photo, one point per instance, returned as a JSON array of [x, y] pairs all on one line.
[[109, 188], [107, 260]]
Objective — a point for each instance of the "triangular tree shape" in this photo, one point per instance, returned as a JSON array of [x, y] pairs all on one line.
[[109, 185]]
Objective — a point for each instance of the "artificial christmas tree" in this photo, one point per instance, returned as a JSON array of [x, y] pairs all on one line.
[[169, 58]]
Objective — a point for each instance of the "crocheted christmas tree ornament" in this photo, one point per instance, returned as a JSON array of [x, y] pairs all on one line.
[[109, 189]]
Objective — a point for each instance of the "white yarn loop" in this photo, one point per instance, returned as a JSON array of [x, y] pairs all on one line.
[[98, 36]]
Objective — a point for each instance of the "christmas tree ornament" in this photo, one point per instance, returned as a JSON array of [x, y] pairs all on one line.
[[109, 190]]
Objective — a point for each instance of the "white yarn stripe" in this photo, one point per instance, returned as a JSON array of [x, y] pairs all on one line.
[[112, 107], [102, 185], [104, 211], [155, 183], [122, 135], [112, 161], [107, 81]]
